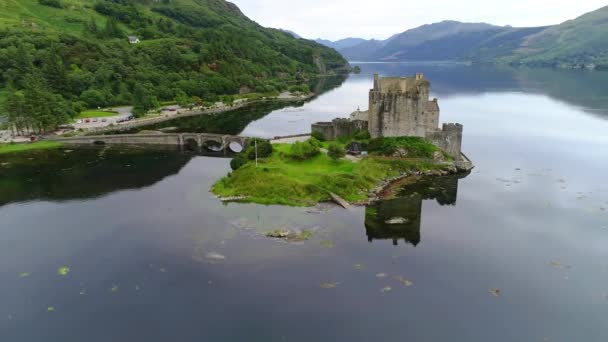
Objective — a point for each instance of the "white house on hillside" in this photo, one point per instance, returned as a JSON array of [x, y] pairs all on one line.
[[133, 40]]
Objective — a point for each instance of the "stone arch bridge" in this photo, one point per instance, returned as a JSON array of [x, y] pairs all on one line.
[[195, 142]]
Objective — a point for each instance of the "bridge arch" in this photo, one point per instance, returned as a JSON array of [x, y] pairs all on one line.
[[235, 144], [212, 143], [191, 145]]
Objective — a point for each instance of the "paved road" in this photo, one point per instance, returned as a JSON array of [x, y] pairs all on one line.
[[7, 136]]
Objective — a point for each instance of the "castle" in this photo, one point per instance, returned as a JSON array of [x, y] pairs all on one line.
[[398, 106]]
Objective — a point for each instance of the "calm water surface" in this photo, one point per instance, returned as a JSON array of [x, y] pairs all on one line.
[[154, 257]]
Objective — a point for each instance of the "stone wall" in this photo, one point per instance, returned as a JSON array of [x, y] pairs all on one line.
[[124, 139], [449, 139], [338, 128], [396, 114], [400, 106], [324, 129], [194, 141]]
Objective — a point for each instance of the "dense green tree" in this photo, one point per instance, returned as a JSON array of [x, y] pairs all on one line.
[[182, 99], [91, 27], [143, 100], [304, 150], [18, 113], [336, 151], [54, 70], [47, 110], [111, 30], [93, 98]]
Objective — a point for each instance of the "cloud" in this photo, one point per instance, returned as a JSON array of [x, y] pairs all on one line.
[[382, 18]]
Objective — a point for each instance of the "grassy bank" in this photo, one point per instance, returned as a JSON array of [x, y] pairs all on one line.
[[95, 114], [282, 180], [40, 145]]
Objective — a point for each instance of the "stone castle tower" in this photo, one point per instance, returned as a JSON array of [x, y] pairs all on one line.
[[400, 106]]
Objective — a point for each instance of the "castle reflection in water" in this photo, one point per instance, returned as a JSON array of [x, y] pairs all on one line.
[[400, 218]]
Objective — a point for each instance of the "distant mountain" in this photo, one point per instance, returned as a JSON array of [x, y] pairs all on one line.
[[582, 42], [342, 43], [446, 40]]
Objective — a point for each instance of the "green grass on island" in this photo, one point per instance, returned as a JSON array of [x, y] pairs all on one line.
[[282, 180], [40, 145], [95, 114]]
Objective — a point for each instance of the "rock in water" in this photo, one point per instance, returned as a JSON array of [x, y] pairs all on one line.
[[278, 234], [397, 220], [215, 256]]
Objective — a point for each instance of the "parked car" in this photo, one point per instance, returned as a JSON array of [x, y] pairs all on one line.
[[79, 121], [104, 120], [87, 120], [95, 120]]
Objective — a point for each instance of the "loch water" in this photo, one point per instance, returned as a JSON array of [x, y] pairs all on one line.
[[129, 245]]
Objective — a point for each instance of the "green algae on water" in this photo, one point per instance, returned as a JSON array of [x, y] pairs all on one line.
[[63, 271]]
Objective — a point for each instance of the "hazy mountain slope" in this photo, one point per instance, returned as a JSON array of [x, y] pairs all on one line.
[[582, 42], [363, 52], [577, 42], [497, 47], [439, 41], [342, 43]]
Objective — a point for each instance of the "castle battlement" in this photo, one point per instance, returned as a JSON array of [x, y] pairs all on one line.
[[386, 85], [452, 127]]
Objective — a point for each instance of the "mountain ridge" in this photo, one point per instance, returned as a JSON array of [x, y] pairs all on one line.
[[578, 43]]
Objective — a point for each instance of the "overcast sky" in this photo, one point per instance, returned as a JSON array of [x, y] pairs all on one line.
[[335, 19]]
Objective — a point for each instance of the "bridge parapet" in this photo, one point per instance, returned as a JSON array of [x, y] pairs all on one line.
[[189, 141]]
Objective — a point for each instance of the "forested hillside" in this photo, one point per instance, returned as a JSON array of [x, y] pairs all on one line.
[[58, 57], [581, 42]]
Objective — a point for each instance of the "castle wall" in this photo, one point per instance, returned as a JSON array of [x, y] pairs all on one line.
[[339, 128], [448, 139], [325, 129], [346, 127], [398, 106], [431, 116], [396, 114]]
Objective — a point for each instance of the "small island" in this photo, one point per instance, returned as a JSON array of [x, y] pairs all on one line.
[[352, 160]]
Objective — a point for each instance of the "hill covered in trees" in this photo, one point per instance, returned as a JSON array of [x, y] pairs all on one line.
[[58, 57]]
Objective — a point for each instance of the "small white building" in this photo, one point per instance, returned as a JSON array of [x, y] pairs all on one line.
[[134, 40]]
